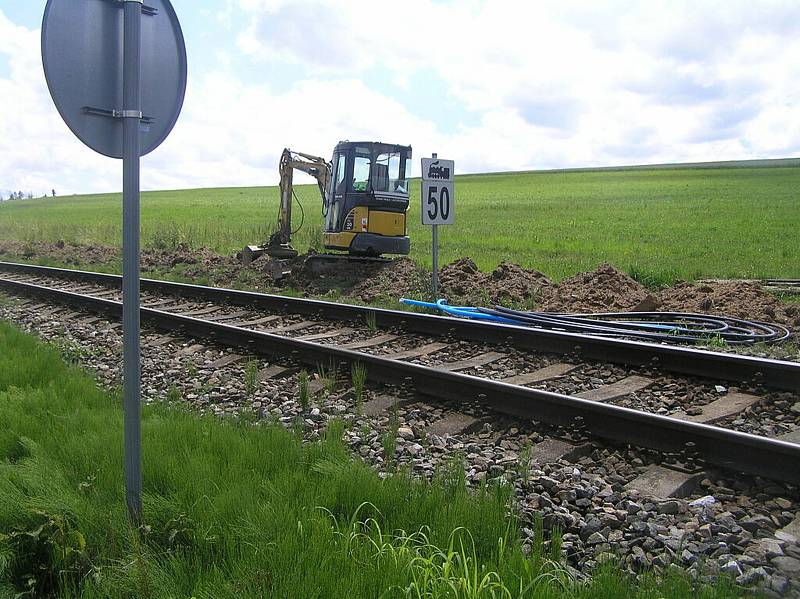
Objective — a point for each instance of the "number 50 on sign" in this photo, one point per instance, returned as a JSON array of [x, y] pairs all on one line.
[[438, 197]]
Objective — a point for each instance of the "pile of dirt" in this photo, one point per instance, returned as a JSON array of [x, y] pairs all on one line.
[[87, 256], [66, 253], [508, 284], [740, 299], [155, 259], [461, 280], [605, 289], [396, 279]]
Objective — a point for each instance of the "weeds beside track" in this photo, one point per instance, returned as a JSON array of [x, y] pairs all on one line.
[[234, 510]]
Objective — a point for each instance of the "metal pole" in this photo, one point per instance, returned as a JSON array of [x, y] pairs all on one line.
[[131, 106], [435, 281], [435, 249]]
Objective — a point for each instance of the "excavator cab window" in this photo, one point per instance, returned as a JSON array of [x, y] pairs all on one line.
[[386, 173], [361, 169], [339, 189], [340, 186]]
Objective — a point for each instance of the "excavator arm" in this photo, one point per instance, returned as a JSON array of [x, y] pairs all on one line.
[[279, 244], [317, 167]]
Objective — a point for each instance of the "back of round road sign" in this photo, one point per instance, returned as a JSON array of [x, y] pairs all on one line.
[[82, 50]]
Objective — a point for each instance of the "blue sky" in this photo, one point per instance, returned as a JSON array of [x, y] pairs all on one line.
[[494, 85]]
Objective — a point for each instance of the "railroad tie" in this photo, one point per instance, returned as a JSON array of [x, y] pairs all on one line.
[[327, 334], [474, 362], [107, 293], [178, 307], [417, 352], [298, 326], [90, 320], [227, 360], [229, 316], [191, 349], [621, 388], [257, 321], [553, 450], [157, 303], [52, 311], [372, 342], [725, 406], [381, 404], [658, 481], [202, 312], [161, 340], [275, 371], [553, 371], [83, 288], [452, 424]]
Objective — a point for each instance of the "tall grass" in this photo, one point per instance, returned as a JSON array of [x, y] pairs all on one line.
[[235, 510]]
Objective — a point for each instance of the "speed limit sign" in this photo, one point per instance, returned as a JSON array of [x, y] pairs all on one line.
[[438, 197]]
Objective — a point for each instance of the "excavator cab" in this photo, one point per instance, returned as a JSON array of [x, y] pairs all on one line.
[[366, 199]]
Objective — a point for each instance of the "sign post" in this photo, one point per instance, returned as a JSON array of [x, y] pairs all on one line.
[[131, 371], [116, 71], [438, 205]]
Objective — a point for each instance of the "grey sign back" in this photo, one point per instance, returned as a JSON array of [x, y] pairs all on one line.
[[82, 53]]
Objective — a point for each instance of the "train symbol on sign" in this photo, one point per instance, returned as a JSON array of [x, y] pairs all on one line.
[[438, 172]]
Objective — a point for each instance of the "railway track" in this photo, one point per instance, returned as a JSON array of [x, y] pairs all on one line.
[[562, 379]]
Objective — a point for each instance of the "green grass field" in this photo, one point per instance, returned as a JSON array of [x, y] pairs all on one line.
[[656, 223], [235, 510]]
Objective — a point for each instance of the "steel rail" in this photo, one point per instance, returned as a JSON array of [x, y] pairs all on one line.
[[737, 451], [775, 374]]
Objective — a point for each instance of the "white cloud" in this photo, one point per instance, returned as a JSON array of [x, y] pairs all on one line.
[[552, 84], [37, 150]]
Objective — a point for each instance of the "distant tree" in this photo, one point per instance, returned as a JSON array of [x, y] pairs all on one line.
[[30, 195], [54, 193]]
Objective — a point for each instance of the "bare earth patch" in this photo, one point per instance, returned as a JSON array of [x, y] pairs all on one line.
[[461, 282], [741, 299], [605, 289]]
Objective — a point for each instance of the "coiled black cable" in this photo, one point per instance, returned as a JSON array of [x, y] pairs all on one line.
[[670, 327], [681, 327]]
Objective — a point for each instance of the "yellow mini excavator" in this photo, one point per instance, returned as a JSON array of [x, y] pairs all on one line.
[[364, 190]]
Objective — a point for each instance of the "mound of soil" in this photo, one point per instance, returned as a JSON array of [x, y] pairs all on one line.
[[73, 255], [399, 278], [740, 299], [605, 289], [461, 280], [511, 282], [508, 284]]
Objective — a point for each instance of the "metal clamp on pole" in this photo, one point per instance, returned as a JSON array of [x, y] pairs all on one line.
[[119, 114], [150, 11], [128, 114]]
